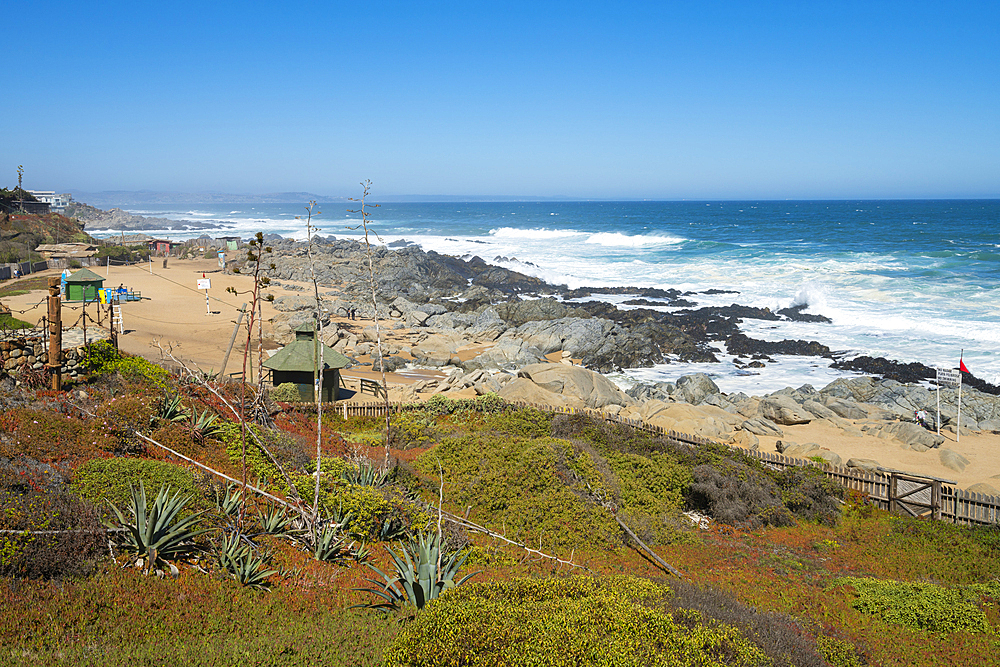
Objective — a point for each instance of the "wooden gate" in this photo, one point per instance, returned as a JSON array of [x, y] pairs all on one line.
[[916, 496]]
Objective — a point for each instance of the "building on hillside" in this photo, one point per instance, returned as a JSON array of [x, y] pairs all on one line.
[[66, 250], [296, 363], [83, 286], [57, 202], [232, 242], [161, 246], [32, 207]]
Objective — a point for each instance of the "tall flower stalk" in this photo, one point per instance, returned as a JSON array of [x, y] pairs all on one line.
[[260, 281], [363, 210], [317, 357]]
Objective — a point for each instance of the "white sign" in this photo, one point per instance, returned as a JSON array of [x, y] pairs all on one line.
[[204, 283], [949, 377]]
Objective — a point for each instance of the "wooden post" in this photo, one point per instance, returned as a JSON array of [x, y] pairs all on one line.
[[892, 492], [232, 340], [55, 334]]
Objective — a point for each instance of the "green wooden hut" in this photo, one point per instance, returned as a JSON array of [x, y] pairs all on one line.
[[296, 363], [83, 285]]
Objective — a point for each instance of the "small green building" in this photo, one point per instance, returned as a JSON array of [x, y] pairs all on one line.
[[83, 285], [296, 363]]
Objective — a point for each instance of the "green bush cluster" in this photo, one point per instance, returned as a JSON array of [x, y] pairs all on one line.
[[259, 466], [412, 429], [375, 512], [923, 606], [100, 480], [286, 392], [735, 488], [439, 404], [514, 482], [571, 621], [101, 357]]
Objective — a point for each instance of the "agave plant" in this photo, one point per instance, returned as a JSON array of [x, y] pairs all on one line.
[[236, 557], [366, 474], [202, 426], [231, 503], [156, 536], [329, 544], [423, 572], [172, 410], [274, 521]]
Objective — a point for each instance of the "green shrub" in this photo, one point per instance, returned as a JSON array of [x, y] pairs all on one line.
[[412, 429], [738, 495], [838, 652], [514, 482], [809, 494], [524, 422], [7, 322], [572, 621], [286, 392], [376, 513], [285, 449], [102, 357], [101, 480], [922, 606]]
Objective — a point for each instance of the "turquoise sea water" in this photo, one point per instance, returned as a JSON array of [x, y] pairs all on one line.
[[907, 280]]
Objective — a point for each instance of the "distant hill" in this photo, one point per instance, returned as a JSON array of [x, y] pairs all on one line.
[[126, 198], [21, 233], [131, 199]]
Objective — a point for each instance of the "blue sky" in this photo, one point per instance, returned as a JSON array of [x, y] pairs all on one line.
[[590, 100]]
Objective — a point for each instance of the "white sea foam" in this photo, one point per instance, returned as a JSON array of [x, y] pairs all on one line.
[[617, 239], [534, 234]]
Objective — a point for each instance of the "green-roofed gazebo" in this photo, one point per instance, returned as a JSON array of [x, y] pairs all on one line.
[[296, 363], [83, 285]]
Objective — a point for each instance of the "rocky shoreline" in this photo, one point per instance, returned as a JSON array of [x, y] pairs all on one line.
[[523, 319], [490, 329]]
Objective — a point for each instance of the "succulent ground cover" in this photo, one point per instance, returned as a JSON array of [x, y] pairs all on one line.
[[790, 571]]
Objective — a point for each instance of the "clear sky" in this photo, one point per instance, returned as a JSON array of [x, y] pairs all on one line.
[[810, 99]]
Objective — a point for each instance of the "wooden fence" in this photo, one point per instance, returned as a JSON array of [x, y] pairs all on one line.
[[891, 490]]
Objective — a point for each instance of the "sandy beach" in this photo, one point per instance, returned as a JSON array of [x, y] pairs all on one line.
[[172, 314]]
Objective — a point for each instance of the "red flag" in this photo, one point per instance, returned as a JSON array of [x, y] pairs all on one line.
[[961, 366]]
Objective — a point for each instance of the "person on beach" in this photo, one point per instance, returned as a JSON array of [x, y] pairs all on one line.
[[920, 416]]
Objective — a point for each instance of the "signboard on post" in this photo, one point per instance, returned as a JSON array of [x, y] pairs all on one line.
[[948, 377], [205, 284]]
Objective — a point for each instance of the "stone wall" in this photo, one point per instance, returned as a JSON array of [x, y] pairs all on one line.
[[18, 353]]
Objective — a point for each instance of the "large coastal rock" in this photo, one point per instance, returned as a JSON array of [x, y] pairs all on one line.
[[592, 390], [695, 388], [507, 354], [524, 390], [782, 409], [706, 421]]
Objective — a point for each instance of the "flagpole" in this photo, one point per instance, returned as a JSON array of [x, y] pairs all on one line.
[[939, 406]]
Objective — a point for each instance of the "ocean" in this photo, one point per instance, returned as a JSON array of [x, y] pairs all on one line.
[[905, 280]]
